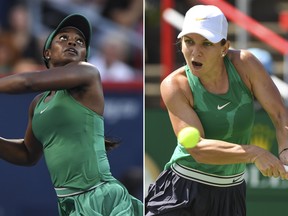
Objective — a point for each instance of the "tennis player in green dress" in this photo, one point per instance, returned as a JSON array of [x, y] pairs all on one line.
[[66, 125]]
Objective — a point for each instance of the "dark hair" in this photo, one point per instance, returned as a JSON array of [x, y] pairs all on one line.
[[223, 42], [111, 143]]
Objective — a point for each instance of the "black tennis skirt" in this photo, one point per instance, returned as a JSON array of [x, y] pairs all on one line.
[[172, 195]]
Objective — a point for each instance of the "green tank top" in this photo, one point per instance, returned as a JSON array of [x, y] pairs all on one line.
[[73, 141], [228, 117]]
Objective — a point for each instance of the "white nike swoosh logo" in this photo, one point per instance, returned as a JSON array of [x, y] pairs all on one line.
[[221, 107], [42, 111], [237, 179]]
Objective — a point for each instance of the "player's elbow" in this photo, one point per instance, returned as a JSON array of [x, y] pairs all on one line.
[[26, 161], [33, 159]]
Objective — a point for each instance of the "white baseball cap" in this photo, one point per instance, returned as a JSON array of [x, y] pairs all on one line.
[[206, 20]]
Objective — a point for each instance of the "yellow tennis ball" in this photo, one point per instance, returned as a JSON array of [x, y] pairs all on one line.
[[189, 137]]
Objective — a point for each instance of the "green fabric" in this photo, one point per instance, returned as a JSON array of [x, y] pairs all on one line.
[[228, 117], [98, 202], [73, 141]]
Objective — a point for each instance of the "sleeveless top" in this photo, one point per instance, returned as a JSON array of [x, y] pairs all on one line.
[[73, 141], [228, 117]]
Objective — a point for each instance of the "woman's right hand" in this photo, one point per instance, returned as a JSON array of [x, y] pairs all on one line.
[[269, 165]]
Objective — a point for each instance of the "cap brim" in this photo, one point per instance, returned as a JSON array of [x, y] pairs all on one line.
[[74, 20], [214, 38], [77, 21]]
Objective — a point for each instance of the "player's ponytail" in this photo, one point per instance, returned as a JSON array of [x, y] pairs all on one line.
[[111, 143]]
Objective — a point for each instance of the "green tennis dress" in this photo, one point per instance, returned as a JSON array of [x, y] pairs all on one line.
[[228, 117], [73, 141]]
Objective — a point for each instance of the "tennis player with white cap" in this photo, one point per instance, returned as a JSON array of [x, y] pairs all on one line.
[[66, 125], [214, 92]]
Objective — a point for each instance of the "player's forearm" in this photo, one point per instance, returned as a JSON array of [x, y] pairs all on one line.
[[219, 152], [13, 84], [280, 121], [282, 139], [14, 151]]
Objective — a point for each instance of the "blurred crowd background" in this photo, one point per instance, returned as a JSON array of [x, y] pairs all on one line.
[[117, 42]]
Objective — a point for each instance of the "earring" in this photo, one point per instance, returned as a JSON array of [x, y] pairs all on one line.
[[48, 57], [223, 54]]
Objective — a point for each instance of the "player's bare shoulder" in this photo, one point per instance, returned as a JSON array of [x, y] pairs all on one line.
[[174, 80], [176, 85], [241, 58]]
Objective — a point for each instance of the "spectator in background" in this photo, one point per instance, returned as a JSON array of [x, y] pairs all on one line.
[[129, 14], [126, 13], [9, 54], [266, 59], [111, 57], [20, 29], [5, 5]]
